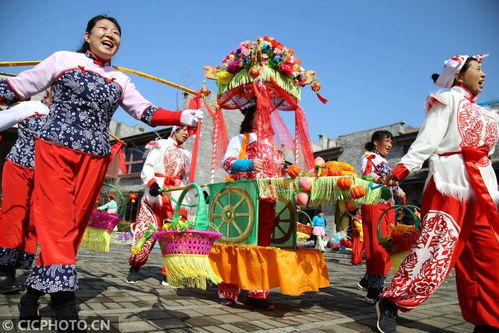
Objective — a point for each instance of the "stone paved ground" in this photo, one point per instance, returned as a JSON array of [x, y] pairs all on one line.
[[150, 307]]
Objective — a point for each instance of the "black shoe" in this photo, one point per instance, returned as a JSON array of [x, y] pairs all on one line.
[[63, 304], [133, 275], [8, 280], [362, 285], [372, 296], [485, 329], [29, 309], [259, 303], [387, 316]]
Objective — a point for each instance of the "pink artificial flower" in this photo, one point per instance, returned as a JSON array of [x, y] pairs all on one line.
[[234, 66]]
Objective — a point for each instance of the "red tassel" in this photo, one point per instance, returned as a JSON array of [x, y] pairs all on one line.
[[322, 99], [123, 166]]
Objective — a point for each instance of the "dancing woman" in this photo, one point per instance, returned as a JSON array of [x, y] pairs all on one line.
[[460, 225], [72, 152]]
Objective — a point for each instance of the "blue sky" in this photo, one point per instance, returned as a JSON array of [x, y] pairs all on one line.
[[374, 58]]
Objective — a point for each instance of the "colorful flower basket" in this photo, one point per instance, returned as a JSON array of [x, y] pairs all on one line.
[[266, 73], [97, 235], [185, 252], [402, 238]]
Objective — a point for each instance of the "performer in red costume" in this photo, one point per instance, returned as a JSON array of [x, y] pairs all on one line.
[[241, 162], [72, 150], [167, 164], [378, 263], [17, 230], [460, 225], [358, 238]]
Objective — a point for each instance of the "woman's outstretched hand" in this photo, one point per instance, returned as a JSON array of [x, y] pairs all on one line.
[[190, 117], [257, 164], [391, 180]]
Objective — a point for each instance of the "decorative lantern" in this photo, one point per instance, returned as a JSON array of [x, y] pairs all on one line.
[[133, 196], [254, 72], [204, 92]]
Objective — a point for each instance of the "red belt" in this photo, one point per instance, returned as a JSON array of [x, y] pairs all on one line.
[[169, 180], [471, 157]]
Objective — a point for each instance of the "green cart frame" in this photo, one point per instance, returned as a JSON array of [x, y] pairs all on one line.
[[233, 212]]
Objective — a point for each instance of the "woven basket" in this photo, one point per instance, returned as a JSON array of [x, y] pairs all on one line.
[[185, 253], [304, 228], [398, 244], [97, 235]]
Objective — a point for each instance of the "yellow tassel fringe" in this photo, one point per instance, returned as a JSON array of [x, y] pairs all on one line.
[[189, 270], [96, 239]]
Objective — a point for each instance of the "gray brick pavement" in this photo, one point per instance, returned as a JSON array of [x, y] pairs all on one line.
[[150, 307]]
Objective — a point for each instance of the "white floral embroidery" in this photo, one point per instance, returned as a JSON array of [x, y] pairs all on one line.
[[23, 151], [53, 278]]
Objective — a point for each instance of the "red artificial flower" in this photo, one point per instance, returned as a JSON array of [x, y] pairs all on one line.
[[286, 68]]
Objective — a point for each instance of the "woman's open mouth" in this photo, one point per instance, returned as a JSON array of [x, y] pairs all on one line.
[[108, 44]]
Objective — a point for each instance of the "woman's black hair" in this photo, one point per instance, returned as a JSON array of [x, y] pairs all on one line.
[[91, 24], [377, 136], [466, 65], [249, 114]]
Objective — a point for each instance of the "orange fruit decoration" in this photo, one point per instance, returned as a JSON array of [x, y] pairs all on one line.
[[334, 170], [293, 171], [350, 205], [357, 192], [344, 183]]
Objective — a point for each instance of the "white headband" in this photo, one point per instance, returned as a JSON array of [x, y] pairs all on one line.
[[175, 129], [453, 66]]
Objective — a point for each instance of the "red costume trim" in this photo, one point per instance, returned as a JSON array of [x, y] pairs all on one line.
[[473, 156], [163, 117], [152, 181], [400, 171]]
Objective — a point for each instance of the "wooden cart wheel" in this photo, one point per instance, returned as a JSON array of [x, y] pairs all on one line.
[[233, 213], [284, 221]]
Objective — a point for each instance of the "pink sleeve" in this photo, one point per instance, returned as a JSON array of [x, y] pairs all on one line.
[[133, 102], [36, 79]]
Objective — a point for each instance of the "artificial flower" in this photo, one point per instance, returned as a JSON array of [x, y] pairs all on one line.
[[234, 66], [264, 51], [286, 68], [224, 77]]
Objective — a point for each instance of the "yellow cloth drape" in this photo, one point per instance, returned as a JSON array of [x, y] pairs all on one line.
[[259, 267]]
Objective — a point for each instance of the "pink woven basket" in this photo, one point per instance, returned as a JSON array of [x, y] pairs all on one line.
[[186, 242], [103, 221]]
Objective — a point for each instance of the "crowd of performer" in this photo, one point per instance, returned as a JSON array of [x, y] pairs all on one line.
[[55, 170]]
